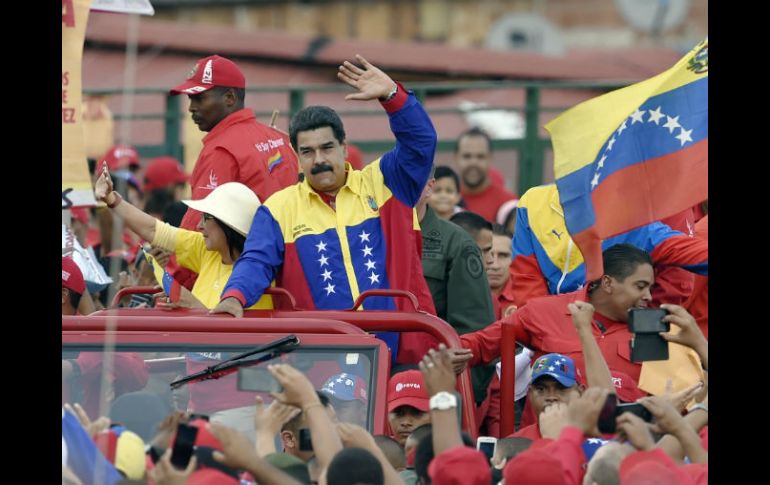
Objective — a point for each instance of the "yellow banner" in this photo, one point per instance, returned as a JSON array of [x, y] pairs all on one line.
[[76, 181]]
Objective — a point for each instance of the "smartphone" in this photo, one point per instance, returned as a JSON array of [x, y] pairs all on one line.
[[184, 445], [194, 416], [305, 442], [257, 379], [635, 408], [487, 445], [647, 320], [607, 415], [648, 346]]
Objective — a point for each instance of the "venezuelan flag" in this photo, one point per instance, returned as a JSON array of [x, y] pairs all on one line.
[[170, 286], [633, 156], [274, 160]]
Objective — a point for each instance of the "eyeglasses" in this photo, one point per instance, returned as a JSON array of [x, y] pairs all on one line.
[[207, 217]]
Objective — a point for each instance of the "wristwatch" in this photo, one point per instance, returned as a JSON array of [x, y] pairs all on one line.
[[390, 95], [442, 401]]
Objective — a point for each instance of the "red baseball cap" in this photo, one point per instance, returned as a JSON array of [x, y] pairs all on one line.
[[71, 276], [626, 388], [163, 172], [648, 468], [408, 389], [534, 467], [119, 157], [460, 465], [209, 72], [81, 214]]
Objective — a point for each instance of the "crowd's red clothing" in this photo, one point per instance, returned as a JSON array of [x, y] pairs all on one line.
[[503, 300], [674, 284], [488, 412], [545, 325], [644, 467], [532, 432], [129, 374], [557, 462], [698, 304], [487, 202], [460, 465], [241, 149]]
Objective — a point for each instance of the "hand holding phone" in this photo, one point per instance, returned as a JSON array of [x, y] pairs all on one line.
[[646, 325], [487, 445], [184, 445]]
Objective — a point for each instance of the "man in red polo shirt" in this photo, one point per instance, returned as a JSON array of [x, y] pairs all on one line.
[[473, 157], [237, 147], [545, 324]]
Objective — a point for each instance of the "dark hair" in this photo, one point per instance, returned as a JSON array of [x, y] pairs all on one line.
[[235, 240], [421, 432], [312, 118], [240, 94], [158, 201], [621, 260], [293, 424], [174, 213], [355, 466], [423, 455], [500, 230], [392, 450], [475, 131], [510, 217], [471, 222], [74, 298], [510, 447], [442, 171]]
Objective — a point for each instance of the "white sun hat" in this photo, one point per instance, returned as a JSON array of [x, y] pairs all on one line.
[[232, 203]]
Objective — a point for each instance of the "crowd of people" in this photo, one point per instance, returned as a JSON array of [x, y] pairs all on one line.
[[472, 253]]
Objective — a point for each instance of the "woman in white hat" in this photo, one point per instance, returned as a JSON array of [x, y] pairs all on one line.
[[210, 251]]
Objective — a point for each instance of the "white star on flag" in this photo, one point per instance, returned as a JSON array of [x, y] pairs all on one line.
[[672, 124], [551, 368], [329, 289], [595, 180], [370, 265], [364, 236], [655, 115], [612, 142], [327, 275], [636, 116], [348, 382], [324, 260], [684, 136], [339, 379], [367, 251], [321, 246], [601, 162], [622, 127], [374, 278]]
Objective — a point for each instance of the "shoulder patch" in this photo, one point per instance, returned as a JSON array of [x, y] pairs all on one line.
[[473, 261]]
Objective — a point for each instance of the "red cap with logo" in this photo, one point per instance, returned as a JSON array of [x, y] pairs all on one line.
[[163, 172], [119, 157], [626, 388], [209, 72], [71, 276], [408, 389]]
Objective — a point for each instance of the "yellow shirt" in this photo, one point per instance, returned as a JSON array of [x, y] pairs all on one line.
[[191, 253]]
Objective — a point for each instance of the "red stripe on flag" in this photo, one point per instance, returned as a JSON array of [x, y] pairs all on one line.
[[643, 193]]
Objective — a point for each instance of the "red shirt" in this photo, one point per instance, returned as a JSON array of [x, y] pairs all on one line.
[[698, 304], [545, 325], [487, 202], [241, 149], [503, 300], [460, 465], [672, 283], [532, 432]]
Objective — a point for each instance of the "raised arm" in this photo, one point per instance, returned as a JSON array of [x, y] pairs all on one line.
[[406, 167], [597, 372], [136, 220]]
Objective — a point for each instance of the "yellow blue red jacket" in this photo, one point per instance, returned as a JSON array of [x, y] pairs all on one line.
[[547, 262], [326, 258]]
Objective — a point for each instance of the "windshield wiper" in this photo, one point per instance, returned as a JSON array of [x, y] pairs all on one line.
[[281, 346]]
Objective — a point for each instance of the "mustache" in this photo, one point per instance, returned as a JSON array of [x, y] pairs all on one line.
[[321, 168]]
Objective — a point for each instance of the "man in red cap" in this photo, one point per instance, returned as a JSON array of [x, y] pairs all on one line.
[[72, 286], [165, 173], [408, 404], [237, 147]]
